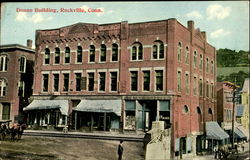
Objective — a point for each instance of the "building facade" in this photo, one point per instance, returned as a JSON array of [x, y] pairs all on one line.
[[123, 76], [244, 120], [16, 78]]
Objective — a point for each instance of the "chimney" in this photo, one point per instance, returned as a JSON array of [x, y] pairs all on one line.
[[191, 25], [29, 43], [204, 35]]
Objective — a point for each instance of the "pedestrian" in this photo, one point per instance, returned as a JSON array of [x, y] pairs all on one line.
[[120, 150], [242, 146], [216, 150]]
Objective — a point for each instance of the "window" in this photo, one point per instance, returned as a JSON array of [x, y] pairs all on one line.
[[22, 65], [78, 81], [21, 89], [103, 53], [134, 80], [79, 54], [130, 120], [195, 86], [56, 82], [137, 51], [201, 87], [207, 65], [57, 56], [210, 111], [187, 85], [66, 82], [3, 62], [187, 55], [91, 81], [146, 80], [45, 82], [179, 81], [47, 56], [114, 52], [102, 81], [179, 50], [212, 67], [185, 109], [207, 89], [113, 81], [92, 53], [201, 61], [67, 55], [212, 90], [159, 80], [6, 111], [3, 86], [158, 50], [198, 110], [195, 59]]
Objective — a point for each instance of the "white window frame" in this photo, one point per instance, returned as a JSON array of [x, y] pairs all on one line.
[[118, 54], [24, 64], [158, 43], [102, 71], [43, 73], [163, 72], [137, 45], [77, 54], [117, 72], [101, 53], [5, 60], [87, 72], [131, 70], [3, 83]]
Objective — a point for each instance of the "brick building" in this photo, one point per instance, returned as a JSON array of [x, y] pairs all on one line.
[[123, 76], [16, 78]]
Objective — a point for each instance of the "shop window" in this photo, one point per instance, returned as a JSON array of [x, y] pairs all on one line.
[[22, 65], [179, 50], [159, 80], [6, 111], [134, 80], [57, 55], [45, 82], [67, 55], [47, 56], [3, 63], [137, 51], [66, 82], [114, 52], [3, 86], [78, 81], [90, 81], [56, 82], [103, 53], [92, 53], [113, 81], [130, 119], [79, 54], [165, 113], [102, 81], [146, 80]]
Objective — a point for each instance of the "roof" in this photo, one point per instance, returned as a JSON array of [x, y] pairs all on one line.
[[240, 110], [17, 46]]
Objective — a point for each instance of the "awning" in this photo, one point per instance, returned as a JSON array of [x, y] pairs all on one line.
[[214, 131], [238, 133], [244, 131], [107, 106], [63, 105]]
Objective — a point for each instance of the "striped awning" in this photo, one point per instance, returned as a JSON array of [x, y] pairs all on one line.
[[214, 131]]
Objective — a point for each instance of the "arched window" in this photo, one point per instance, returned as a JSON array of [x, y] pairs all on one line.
[[47, 56], [187, 55], [212, 67], [137, 51], [201, 61], [67, 55], [198, 110], [3, 86], [103, 53], [3, 62], [158, 50], [179, 50], [207, 65], [79, 54], [185, 109], [22, 65], [114, 52], [92, 53], [210, 111], [57, 55], [195, 59]]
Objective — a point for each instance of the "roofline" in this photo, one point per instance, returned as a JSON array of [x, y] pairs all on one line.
[[17, 46]]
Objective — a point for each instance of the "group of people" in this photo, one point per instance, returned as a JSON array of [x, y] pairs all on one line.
[[15, 132]]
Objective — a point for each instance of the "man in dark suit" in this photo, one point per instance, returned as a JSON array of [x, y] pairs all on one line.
[[120, 150]]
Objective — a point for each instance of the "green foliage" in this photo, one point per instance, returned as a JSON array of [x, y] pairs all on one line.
[[237, 78]]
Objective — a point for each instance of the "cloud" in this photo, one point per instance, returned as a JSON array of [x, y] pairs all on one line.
[[194, 14], [35, 18], [219, 33], [216, 11]]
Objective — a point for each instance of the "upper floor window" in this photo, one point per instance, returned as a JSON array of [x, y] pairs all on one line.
[[195, 59], [57, 55], [137, 51], [159, 80], [3, 62], [207, 65], [179, 81], [66, 82], [179, 50], [195, 86], [22, 65], [187, 84], [91, 81], [3, 86], [92, 53], [102, 81], [207, 89], [103, 53], [201, 87], [210, 111], [134, 80], [56, 82], [67, 55], [47, 56], [212, 67], [146, 80], [79, 55], [201, 61], [114, 52], [113, 81], [212, 90], [45, 82], [158, 50], [187, 55], [78, 81], [21, 88], [185, 109]]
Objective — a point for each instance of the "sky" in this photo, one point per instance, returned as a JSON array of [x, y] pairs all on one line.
[[226, 22]]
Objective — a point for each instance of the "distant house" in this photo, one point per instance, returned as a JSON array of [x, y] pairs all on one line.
[[244, 109]]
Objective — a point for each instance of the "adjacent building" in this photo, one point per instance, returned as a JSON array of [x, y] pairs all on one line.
[[16, 78], [122, 76]]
